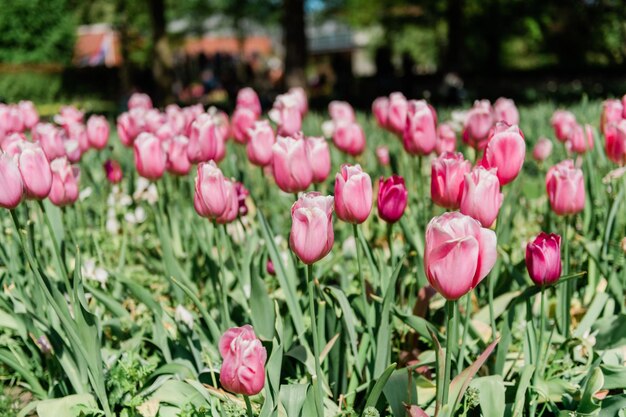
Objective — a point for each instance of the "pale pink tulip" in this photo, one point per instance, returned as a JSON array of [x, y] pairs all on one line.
[[542, 149], [242, 121], [248, 98], [312, 236], [353, 194], [447, 177], [11, 185], [35, 170], [290, 163], [177, 160], [150, 157], [505, 111], [261, 138], [380, 109], [349, 138], [565, 185], [481, 197], [98, 131], [64, 189], [420, 134]]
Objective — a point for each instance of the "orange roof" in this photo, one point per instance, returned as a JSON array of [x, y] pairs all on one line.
[[229, 45]]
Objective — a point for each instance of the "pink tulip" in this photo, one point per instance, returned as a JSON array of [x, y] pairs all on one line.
[[458, 254], [35, 170], [286, 113], [113, 171], [615, 142], [382, 153], [398, 108], [14, 143], [565, 185], [15, 119], [98, 131], [175, 119], [612, 113], [213, 193], [349, 137], [505, 111], [505, 151], [243, 368], [312, 236], [543, 259], [353, 194], [72, 150], [64, 189], [30, 117], [150, 157], [269, 267], [580, 139], [51, 140], [139, 101], [153, 120], [242, 193], [260, 141], [319, 158], [341, 111], [299, 97], [177, 161], [481, 197], [392, 198], [447, 177], [125, 129], [68, 115], [446, 139], [11, 185], [242, 121], [290, 163], [191, 113], [247, 98], [542, 149], [562, 122], [78, 132], [420, 134], [165, 132], [206, 141], [380, 109], [478, 123], [232, 206]]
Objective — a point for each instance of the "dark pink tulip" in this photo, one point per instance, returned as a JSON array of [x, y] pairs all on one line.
[[565, 185], [113, 171], [562, 122], [243, 368], [543, 259], [290, 163], [349, 137], [98, 131], [30, 117], [319, 158], [392, 198], [506, 111], [420, 135], [270, 267], [11, 185], [51, 140], [446, 139], [615, 142], [139, 101], [242, 121], [580, 139], [312, 236], [612, 113], [242, 194], [261, 138], [380, 109], [64, 189], [447, 177], [35, 170], [150, 157], [481, 197], [505, 151], [177, 161], [458, 254], [396, 117], [247, 98], [542, 149], [382, 153], [206, 141], [341, 111], [353, 194], [478, 124]]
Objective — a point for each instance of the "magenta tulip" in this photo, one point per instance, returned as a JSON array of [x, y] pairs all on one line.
[[392, 198], [397, 115], [113, 171], [150, 157], [260, 141], [481, 197], [319, 158], [447, 177], [207, 140], [504, 110], [353, 194], [542, 149], [243, 366], [565, 185], [247, 98], [98, 131], [380, 109], [458, 254], [543, 259], [177, 160], [420, 134], [615, 142], [35, 170], [11, 185], [312, 236], [242, 121], [64, 189], [290, 163], [349, 138], [505, 151], [477, 125]]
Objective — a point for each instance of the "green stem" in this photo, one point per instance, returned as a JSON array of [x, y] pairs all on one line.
[[57, 252], [568, 285], [538, 359], [224, 300], [450, 340], [390, 242], [492, 316], [248, 406], [317, 379], [362, 281], [461, 358]]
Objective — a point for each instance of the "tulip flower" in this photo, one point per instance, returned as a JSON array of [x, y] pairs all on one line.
[[286, 113], [481, 197], [11, 185], [78, 132], [580, 139], [341, 111], [447, 177], [113, 171], [542, 149], [207, 140], [64, 189], [214, 194], [392, 198], [165, 133], [478, 123], [458, 254], [562, 122], [505, 151], [51, 140], [298, 95], [153, 120], [615, 142], [446, 139], [260, 141], [35, 170], [397, 114], [247, 98], [242, 193], [30, 117], [150, 157], [543, 259], [177, 160], [290, 163], [382, 153], [319, 158], [126, 129], [312, 236], [69, 115], [243, 119], [420, 134], [232, 204], [353, 194], [505, 111], [98, 131], [243, 366], [380, 109], [565, 185], [612, 113], [139, 101], [175, 119], [349, 138], [14, 120]]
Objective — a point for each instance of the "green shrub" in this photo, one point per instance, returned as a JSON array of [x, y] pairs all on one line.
[[36, 86]]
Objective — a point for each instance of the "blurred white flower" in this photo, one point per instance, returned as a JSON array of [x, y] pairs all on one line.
[[328, 128], [94, 273], [136, 217], [348, 248], [182, 315], [85, 193]]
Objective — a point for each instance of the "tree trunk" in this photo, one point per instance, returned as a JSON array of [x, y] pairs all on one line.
[[162, 62], [294, 39], [454, 15]]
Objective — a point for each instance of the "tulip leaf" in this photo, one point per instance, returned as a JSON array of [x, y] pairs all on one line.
[[593, 312], [261, 307], [374, 394], [349, 318], [400, 390], [522, 386], [588, 404], [491, 395], [292, 397]]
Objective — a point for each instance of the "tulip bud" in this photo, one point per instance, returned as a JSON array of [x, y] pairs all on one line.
[[260, 141], [247, 98], [30, 117], [543, 259], [565, 185], [580, 139], [505, 111], [213, 193], [51, 140], [506, 151], [36, 173], [382, 153], [447, 177], [98, 131], [380, 109], [207, 140], [290, 163], [562, 122], [150, 158], [312, 236], [353, 194], [481, 197], [319, 158], [420, 134], [458, 254], [615, 142], [11, 185], [243, 369], [139, 101], [113, 171], [177, 161], [542, 149], [612, 111], [242, 121], [446, 139], [298, 95], [398, 108], [64, 189], [349, 138], [269, 266], [478, 123], [392, 198], [341, 111], [242, 194]]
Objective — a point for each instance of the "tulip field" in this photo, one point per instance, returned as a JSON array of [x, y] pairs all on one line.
[[409, 261]]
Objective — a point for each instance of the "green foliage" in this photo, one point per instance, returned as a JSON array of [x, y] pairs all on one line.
[[26, 85]]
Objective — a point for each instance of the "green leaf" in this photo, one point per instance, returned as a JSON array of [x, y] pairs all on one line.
[[588, 404], [397, 392], [292, 397], [348, 316], [262, 308], [372, 399], [522, 386], [70, 406], [593, 312], [491, 395]]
